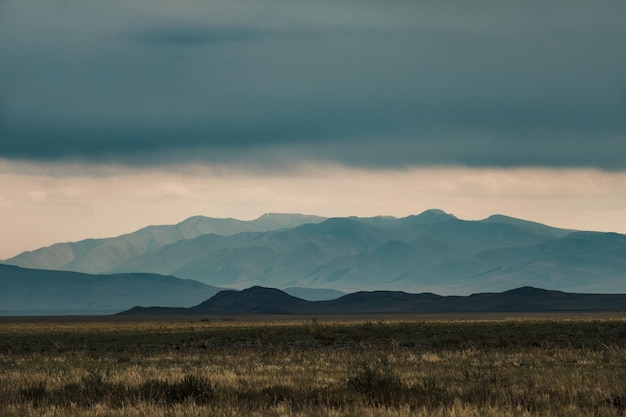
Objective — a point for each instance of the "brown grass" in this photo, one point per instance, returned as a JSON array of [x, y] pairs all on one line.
[[315, 367]]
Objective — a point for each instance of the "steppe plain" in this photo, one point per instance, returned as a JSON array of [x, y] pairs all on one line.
[[380, 365]]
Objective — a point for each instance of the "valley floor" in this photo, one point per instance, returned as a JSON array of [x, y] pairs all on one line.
[[441, 366]]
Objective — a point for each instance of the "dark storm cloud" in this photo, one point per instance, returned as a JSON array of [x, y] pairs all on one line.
[[362, 83], [194, 35]]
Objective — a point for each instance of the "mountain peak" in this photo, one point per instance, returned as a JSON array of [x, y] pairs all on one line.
[[200, 218], [432, 216], [435, 211]]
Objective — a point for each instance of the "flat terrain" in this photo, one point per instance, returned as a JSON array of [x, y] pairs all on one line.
[[402, 365]]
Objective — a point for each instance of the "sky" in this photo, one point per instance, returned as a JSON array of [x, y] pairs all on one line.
[[116, 115]]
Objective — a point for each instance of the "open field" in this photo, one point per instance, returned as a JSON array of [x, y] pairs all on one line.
[[557, 365]]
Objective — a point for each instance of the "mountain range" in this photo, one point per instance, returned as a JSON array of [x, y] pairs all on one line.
[[430, 252], [98, 256], [260, 300]]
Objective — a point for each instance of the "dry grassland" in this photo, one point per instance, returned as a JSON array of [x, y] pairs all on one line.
[[314, 367]]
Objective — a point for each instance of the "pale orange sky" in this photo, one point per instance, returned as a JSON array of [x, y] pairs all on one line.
[[44, 204]]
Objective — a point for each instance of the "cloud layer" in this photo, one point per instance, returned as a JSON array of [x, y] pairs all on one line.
[[38, 209], [365, 83]]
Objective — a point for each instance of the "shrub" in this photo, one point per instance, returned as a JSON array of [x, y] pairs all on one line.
[[198, 389], [379, 383], [92, 389], [36, 393]]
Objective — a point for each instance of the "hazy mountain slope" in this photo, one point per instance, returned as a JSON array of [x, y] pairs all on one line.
[[474, 235], [106, 255], [580, 261], [260, 300], [241, 266], [172, 257], [339, 236], [394, 264], [32, 291], [533, 227], [275, 258], [308, 254], [350, 254]]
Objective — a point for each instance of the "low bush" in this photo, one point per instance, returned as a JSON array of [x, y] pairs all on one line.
[[379, 383], [93, 389]]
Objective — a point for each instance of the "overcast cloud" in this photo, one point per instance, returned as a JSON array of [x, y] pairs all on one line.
[[365, 83]]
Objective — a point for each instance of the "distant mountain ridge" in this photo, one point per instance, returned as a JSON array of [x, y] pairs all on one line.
[[96, 256], [430, 252], [261, 300]]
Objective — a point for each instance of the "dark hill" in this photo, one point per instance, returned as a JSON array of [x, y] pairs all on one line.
[[256, 300], [259, 300]]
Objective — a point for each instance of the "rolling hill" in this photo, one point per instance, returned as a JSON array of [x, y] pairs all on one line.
[[41, 292], [260, 300]]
